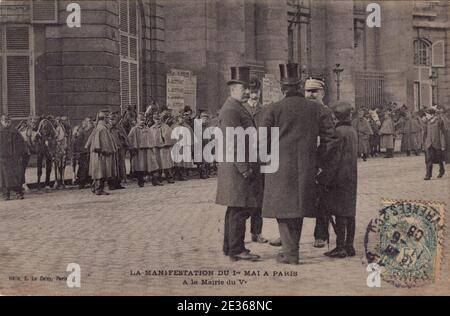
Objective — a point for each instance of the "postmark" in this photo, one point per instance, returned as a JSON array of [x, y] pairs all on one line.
[[406, 241]]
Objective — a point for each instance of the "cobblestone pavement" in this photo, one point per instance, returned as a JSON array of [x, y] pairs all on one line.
[[178, 227]]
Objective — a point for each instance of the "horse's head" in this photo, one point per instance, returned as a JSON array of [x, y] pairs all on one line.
[[33, 122]]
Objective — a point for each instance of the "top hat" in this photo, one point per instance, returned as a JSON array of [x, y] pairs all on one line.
[[239, 75], [289, 74]]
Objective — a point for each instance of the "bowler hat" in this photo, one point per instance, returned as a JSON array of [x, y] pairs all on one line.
[[289, 74], [239, 75]]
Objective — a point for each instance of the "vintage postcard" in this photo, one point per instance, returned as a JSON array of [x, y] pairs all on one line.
[[224, 148]]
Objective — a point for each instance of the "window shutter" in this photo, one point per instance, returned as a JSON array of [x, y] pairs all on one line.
[[133, 48], [133, 17], [416, 74], [17, 38], [1, 84], [1, 38], [134, 85], [425, 94], [44, 11], [124, 84], [438, 54], [124, 46], [18, 74], [123, 12], [425, 73]]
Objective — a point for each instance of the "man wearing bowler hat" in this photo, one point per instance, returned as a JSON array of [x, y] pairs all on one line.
[[239, 184], [289, 193]]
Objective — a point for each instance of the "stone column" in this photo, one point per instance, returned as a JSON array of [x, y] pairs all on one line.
[[396, 50], [271, 34], [340, 50]]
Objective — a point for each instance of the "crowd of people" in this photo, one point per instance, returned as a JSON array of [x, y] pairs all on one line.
[[318, 151], [98, 149]]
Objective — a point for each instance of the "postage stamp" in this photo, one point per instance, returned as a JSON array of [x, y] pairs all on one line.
[[406, 241]]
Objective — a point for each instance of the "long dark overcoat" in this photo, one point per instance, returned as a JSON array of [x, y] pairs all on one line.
[[12, 149], [340, 199], [232, 188], [291, 191]]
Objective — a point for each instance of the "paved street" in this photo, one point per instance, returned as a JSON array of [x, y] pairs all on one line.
[[178, 227]]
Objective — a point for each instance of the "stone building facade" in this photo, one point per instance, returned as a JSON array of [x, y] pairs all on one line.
[[120, 55]]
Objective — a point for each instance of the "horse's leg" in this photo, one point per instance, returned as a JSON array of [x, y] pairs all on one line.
[[40, 159], [55, 166], [25, 161], [48, 170], [63, 170]]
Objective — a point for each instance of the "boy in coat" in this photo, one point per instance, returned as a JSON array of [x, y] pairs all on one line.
[[339, 183], [161, 134]]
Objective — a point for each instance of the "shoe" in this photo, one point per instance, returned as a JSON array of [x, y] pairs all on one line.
[[350, 251], [227, 254], [244, 256], [336, 253], [276, 242], [441, 174], [141, 184], [259, 239], [19, 196], [319, 243], [170, 181], [111, 188], [101, 193], [119, 187], [281, 258], [427, 178]]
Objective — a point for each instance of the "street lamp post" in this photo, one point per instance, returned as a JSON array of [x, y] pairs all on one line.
[[434, 84], [337, 70]]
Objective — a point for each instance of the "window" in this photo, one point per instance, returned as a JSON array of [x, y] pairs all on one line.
[[438, 54], [16, 93], [423, 92], [421, 52], [44, 11], [129, 54]]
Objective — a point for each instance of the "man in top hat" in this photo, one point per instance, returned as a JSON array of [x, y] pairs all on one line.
[[12, 151], [255, 108], [289, 193], [103, 149], [239, 184], [315, 91]]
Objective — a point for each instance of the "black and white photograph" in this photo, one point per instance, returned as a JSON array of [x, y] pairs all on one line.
[[224, 148]]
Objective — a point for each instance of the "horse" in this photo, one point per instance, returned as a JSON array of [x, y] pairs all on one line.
[[128, 119], [39, 135], [63, 137]]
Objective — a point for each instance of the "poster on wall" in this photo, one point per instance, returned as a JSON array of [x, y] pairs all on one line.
[[271, 91], [181, 89]]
